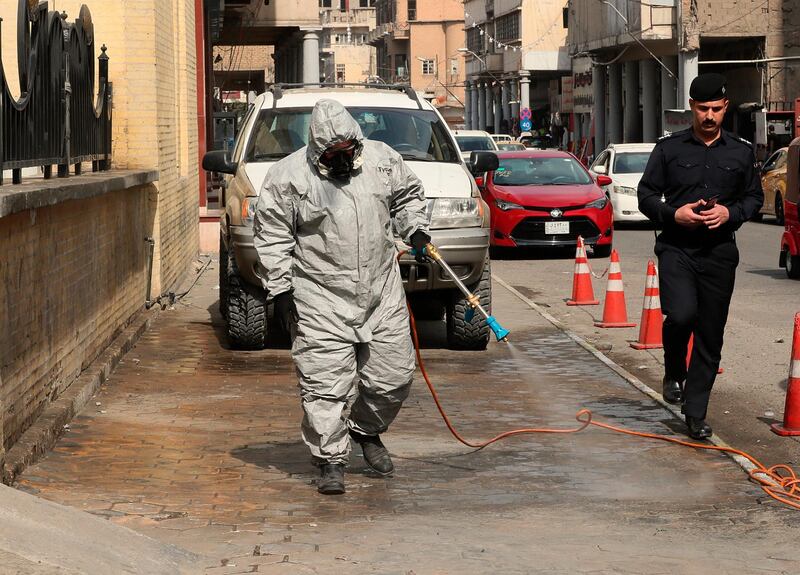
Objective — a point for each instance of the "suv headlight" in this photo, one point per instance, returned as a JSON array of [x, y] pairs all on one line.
[[625, 190], [456, 212], [599, 203], [505, 206], [249, 210]]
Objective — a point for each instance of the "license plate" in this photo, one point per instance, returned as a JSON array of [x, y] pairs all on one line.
[[553, 228]]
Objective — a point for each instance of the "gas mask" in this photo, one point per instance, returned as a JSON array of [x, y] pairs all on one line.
[[341, 159]]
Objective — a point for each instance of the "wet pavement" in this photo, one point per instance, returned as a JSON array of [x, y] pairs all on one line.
[[197, 445]]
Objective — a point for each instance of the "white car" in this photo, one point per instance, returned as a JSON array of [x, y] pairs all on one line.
[[474, 140], [624, 164]]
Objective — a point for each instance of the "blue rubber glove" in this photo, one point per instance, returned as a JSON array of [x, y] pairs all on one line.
[[419, 240]]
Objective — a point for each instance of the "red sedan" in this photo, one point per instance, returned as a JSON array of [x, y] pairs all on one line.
[[547, 198]]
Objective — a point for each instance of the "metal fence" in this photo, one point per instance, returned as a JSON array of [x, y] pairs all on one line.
[[59, 119]]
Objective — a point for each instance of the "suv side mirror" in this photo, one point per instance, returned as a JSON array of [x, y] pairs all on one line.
[[601, 169], [217, 161], [480, 162]]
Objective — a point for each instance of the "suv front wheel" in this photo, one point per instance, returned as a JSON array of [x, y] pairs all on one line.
[[473, 334], [246, 310]]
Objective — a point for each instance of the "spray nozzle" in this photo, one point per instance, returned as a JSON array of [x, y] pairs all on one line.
[[500, 332]]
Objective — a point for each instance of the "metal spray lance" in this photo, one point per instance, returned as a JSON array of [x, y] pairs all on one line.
[[499, 331]]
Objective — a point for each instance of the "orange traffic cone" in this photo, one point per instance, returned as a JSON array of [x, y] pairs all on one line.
[[582, 293], [791, 412], [614, 312], [652, 319], [689, 354]]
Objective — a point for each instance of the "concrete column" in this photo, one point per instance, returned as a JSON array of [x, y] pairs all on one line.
[[631, 119], [481, 106], [524, 89], [311, 57], [599, 87], [475, 120], [669, 85], [615, 104], [515, 99], [650, 110], [498, 108], [687, 71], [505, 97], [488, 118], [468, 105]]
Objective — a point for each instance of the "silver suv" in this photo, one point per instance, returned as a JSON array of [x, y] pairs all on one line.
[[277, 125]]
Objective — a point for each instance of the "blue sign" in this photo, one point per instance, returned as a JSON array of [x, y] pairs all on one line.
[[525, 125]]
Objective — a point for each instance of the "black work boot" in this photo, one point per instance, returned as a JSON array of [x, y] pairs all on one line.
[[332, 480], [375, 454], [698, 428], [672, 391]]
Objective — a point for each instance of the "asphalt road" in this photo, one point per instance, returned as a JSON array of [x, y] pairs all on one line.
[[750, 394]]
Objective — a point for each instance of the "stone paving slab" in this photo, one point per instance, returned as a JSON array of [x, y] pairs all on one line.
[[197, 445]]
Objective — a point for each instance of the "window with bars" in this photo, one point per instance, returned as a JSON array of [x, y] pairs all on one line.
[[475, 39], [340, 73], [428, 67], [507, 27]]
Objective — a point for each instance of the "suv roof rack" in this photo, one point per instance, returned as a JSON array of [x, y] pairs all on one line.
[[277, 89]]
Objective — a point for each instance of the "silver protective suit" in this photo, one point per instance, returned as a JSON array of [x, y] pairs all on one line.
[[331, 241]]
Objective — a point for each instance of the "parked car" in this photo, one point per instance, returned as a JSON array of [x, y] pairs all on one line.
[[790, 240], [624, 164], [473, 141], [773, 182], [537, 141], [498, 138], [547, 198], [277, 125], [510, 146]]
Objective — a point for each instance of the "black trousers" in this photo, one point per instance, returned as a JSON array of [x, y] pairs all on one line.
[[696, 285]]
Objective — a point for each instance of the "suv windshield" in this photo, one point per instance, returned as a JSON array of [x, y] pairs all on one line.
[[471, 143], [415, 134], [630, 162], [540, 172]]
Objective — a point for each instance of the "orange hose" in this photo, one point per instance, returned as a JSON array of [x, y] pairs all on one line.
[[779, 481]]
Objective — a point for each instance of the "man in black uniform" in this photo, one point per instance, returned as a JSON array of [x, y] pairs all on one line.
[[700, 185]]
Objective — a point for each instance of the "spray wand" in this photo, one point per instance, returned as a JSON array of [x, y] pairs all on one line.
[[499, 331]]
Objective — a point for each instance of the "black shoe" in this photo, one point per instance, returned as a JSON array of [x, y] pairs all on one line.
[[375, 454], [698, 428], [332, 480], [671, 391]]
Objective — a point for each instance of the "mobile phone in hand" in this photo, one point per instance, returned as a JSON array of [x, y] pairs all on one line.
[[710, 203]]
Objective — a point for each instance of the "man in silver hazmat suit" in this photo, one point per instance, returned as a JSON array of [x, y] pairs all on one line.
[[323, 231]]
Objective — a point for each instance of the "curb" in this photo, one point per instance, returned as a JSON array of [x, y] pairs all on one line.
[[43, 434], [634, 381]]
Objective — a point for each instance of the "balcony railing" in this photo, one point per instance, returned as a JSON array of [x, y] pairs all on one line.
[[354, 17], [393, 30], [58, 119]]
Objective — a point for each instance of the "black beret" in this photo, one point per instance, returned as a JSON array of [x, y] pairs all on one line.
[[708, 87]]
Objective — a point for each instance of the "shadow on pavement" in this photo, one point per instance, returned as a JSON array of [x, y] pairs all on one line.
[[774, 273]]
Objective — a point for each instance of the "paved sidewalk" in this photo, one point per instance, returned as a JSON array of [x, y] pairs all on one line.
[[197, 445]]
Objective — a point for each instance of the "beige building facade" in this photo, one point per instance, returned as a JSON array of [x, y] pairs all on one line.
[[347, 57], [418, 43], [755, 44], [514, 49]]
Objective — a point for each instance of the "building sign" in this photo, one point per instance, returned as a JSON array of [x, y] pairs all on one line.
[[566, 94], [582, 91], [676, 120]]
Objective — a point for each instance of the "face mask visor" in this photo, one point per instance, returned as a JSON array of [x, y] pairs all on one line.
[[340, 159]]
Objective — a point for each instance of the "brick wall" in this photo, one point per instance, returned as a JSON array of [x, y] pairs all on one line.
[[152, 63], [71, 276]]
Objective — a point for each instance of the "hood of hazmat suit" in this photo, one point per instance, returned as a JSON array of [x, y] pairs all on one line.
[[330, 239]]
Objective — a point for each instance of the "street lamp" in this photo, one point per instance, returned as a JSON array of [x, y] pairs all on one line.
[[479, 59]]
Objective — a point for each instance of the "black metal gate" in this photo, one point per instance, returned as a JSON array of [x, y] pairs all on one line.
[[58, 118]]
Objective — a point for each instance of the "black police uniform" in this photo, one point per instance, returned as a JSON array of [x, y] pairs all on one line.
[[697, 266]]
